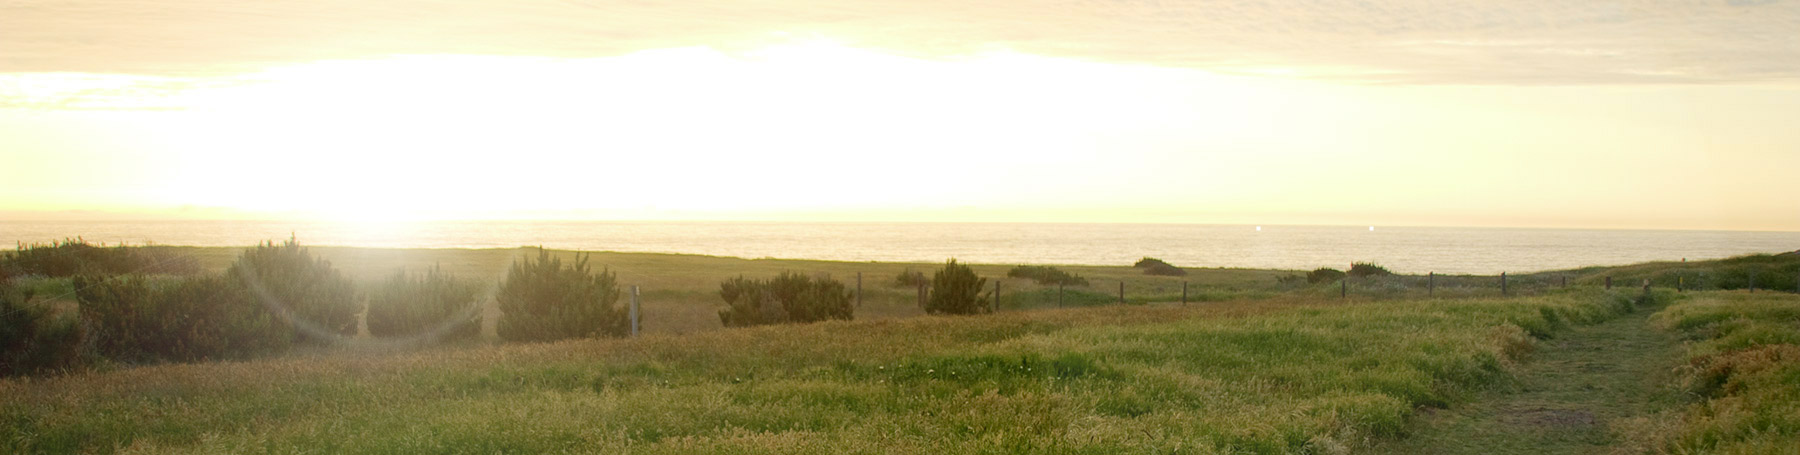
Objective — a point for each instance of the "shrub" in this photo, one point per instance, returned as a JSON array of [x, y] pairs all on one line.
[[789, 297], [305, 290], [1324, 275], [1164, 270], [1046, 275], [32, 339], [542, 300], [1147, 262], [955, 289], [1366, 269], [910, 278], [748, 303], [434, 304], [75, 256], [137, 318]]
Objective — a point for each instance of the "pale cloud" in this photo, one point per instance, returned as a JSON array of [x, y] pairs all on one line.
[[1530, 42]]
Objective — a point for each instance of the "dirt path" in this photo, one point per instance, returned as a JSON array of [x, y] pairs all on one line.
[[1578, 394]]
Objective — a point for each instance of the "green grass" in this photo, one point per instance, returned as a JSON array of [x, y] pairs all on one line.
[[1281, 376], [681, 291], [1769, 272], [1743, 370], [1591, 389]]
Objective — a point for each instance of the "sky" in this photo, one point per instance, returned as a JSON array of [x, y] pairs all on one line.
[[1593, 114]]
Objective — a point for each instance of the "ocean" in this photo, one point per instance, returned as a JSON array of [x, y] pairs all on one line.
[[1402, 249]]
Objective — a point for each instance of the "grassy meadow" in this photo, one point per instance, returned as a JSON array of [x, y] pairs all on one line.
[[1241, 377], [681, 291], [1262, 362], [1743, 371]]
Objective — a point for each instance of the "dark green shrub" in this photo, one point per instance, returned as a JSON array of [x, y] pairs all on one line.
[[1324, 275], [434, 304], [314, 297], [1046, 275], [32, 339], [137, 318], [910, 278], [542, 300], [1367, 269], [1147, 262], [955, 289], [748, 303], [75, 256], [789, 297], [1164, 269]]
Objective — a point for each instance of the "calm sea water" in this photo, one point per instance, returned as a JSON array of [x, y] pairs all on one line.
[[1404, 249]]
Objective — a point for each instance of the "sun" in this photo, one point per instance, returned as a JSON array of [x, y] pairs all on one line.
[[796, 126]]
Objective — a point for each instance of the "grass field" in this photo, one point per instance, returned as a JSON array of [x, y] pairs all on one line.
[[1279, 376], [681, 292], [1743, 371]]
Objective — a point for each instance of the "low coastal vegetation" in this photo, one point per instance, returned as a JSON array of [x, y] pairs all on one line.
[[910, 278], [956, 289], [432, 304], [788, 297], [202, 358], [544, 299], [1324, 275], [73, 257], [1224, 378], [1046, 275], [1154, 266], [1367, 269], [1743, 370]]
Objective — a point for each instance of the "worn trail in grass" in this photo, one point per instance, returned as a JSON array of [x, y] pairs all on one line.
[[1582, 392]]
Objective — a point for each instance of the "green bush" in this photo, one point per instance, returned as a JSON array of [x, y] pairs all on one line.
[[285, 277], [1164, 270], [542, 300], [789, 297], [1046, 275], [32, 339], [1367, 269], [955, 289], [910, 278], [137, 318], [434, 304], [1324, 275], [75, 256], [1148, 262]]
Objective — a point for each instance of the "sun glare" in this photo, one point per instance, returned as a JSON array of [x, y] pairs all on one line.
[[412, 137]]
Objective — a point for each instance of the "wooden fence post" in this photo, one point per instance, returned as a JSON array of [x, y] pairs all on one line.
[[1430, 284], [921, 295], [634, 310], [1609, 282], [1565, 281], [1503, 284], [1121, 291], [1680, 284], [1184, 293], [1344, 287], [996, 305], [859, 289]]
